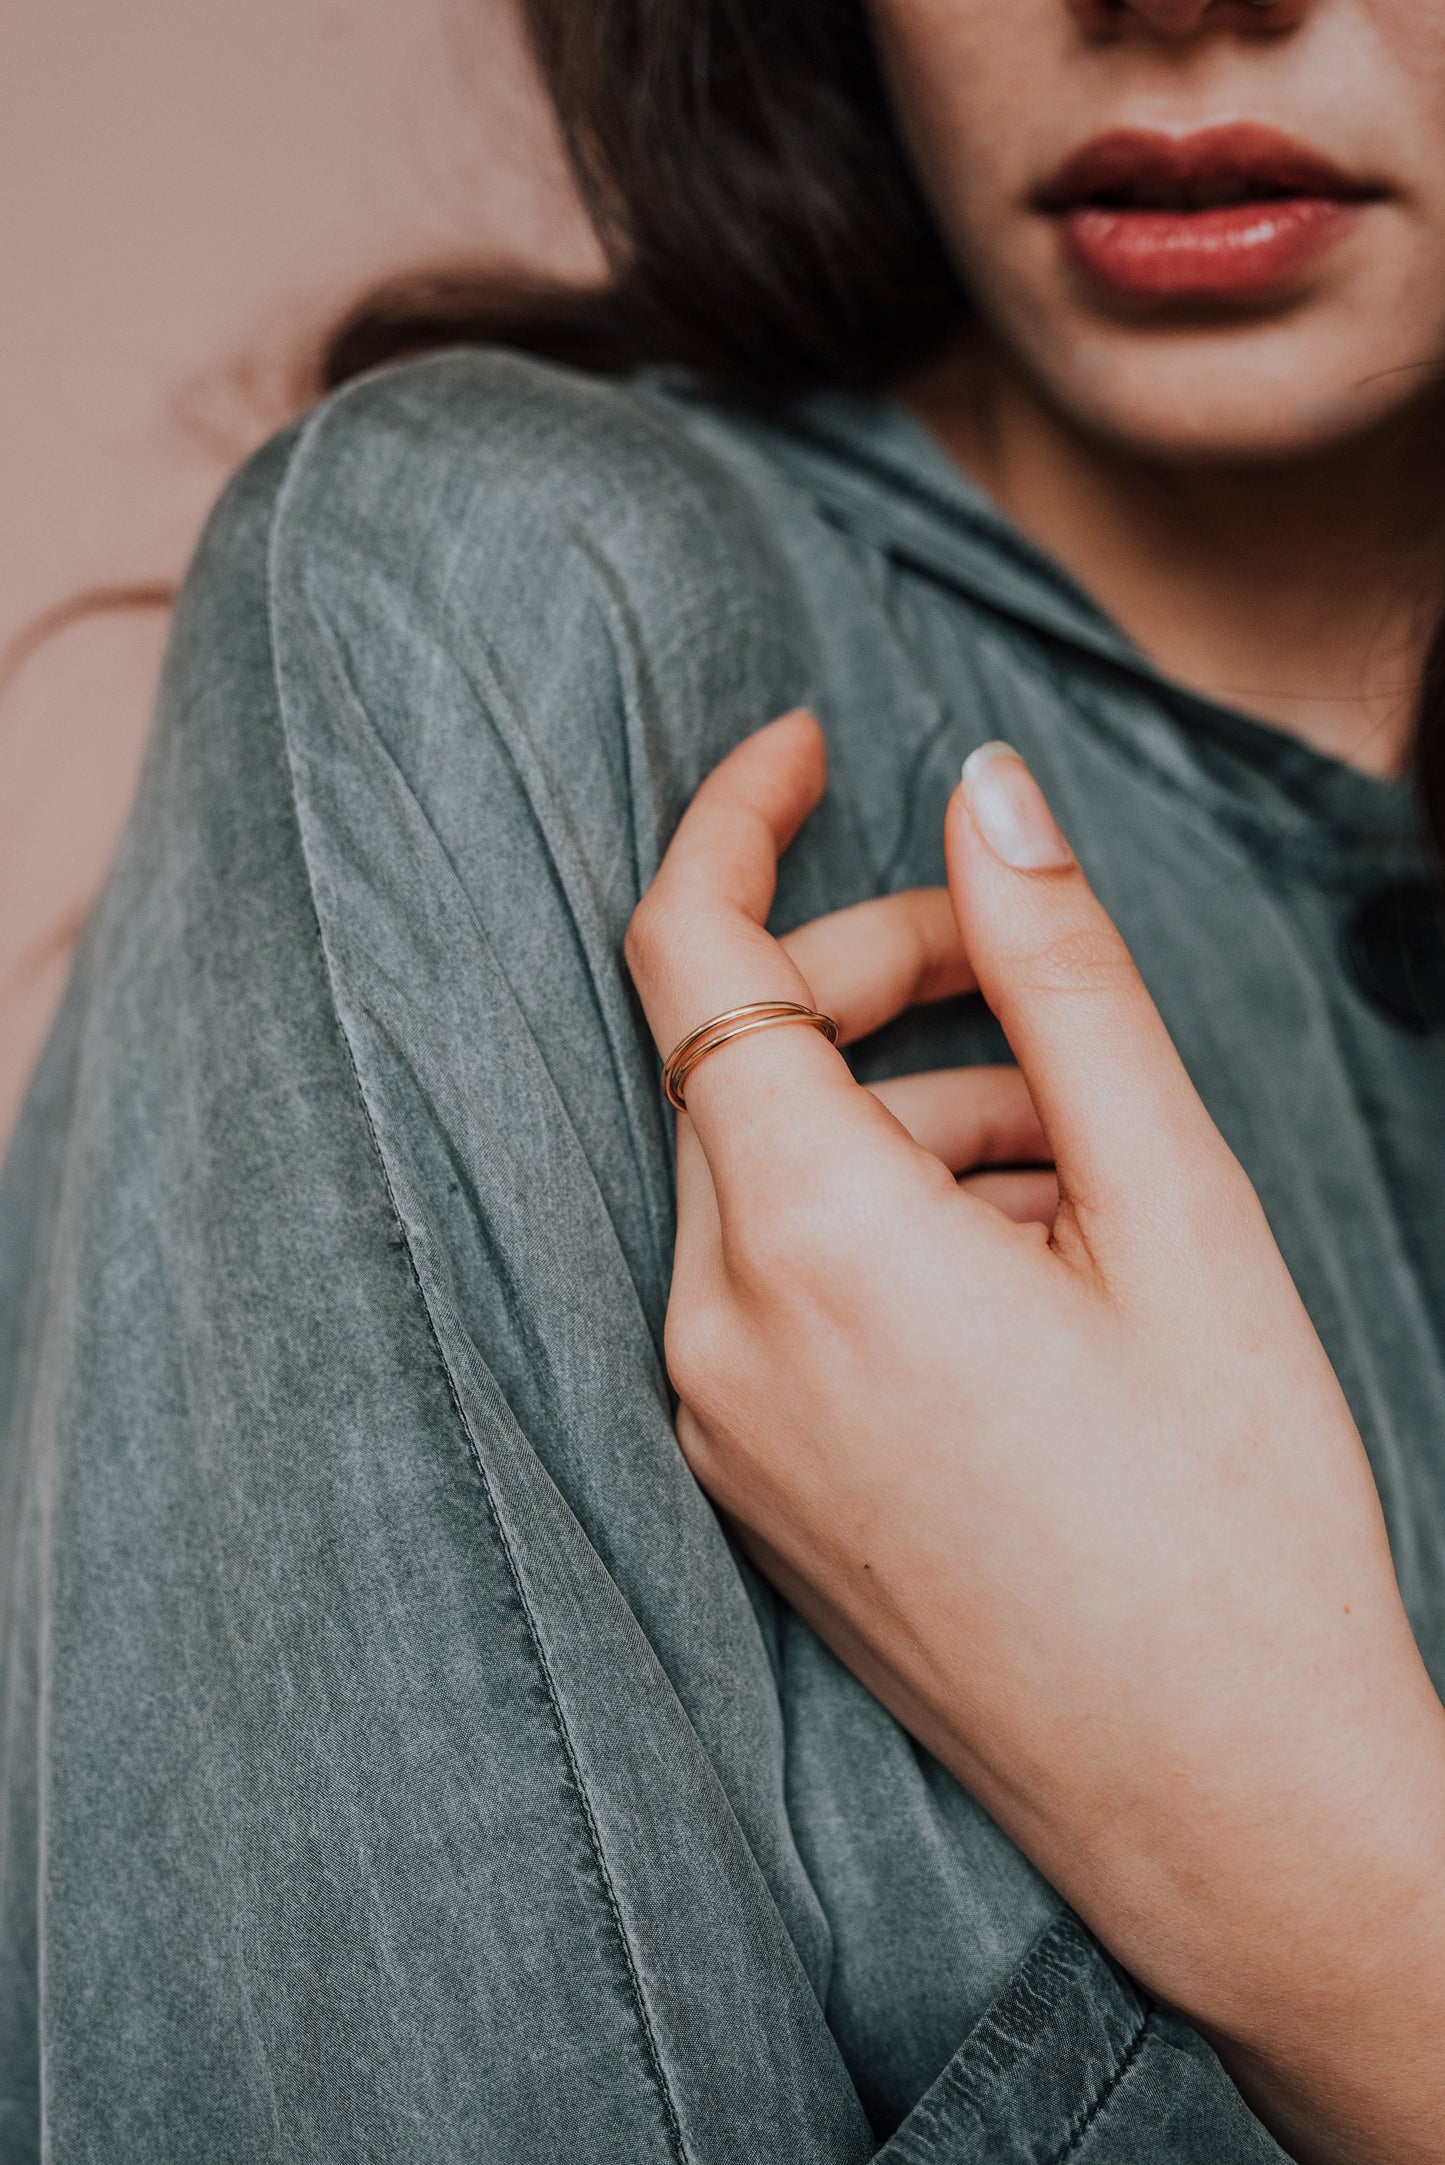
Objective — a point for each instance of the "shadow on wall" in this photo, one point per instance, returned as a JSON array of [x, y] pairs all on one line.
[[189, 185]]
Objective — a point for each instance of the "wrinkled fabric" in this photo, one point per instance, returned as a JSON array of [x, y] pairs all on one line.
[[397, 1761]]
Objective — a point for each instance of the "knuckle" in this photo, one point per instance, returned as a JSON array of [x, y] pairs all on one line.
[[644, 940], [1092, 958], [763, 1251], [698, 1348], [698, 1449]]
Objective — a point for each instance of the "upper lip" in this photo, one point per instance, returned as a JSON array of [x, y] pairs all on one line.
[[1145, 168]]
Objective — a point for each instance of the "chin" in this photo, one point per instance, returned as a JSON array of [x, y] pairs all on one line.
[[1227, 395]]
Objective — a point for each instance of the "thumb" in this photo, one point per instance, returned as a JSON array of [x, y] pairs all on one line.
[[1133, 1144]]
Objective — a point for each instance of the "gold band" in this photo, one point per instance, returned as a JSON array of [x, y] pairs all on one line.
[[722, 1029]]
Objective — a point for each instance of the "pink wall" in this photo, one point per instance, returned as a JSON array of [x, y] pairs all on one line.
[[189, 189]]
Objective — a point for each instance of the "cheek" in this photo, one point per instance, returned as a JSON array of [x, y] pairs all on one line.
[[967, 82], [1413, 32], [1398, 53]]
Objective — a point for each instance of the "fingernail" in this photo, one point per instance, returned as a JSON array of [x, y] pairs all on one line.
[[1010, 812]]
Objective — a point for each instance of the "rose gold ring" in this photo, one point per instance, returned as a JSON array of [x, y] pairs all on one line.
[[722, 1029]]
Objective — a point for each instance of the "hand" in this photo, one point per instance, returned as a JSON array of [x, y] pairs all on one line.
[[902, 951], [1083, 1505]]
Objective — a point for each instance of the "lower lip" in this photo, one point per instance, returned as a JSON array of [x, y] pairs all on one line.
[[1231, 253]]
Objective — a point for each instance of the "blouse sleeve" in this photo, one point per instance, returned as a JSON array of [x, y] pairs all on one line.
[[392, 1757]]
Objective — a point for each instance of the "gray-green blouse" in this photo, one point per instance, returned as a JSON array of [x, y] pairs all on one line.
[[397, 1762]]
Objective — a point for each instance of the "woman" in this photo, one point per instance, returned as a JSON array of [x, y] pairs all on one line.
[[399, 1761]]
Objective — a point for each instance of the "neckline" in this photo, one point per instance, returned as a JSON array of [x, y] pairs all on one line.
[[879, 466]]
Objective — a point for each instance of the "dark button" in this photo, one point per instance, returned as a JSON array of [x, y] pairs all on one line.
[[1395, 947]]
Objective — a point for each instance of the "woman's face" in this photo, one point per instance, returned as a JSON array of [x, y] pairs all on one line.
[[1205, 228]]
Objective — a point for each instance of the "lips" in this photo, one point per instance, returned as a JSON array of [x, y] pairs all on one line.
[[1224, 214]]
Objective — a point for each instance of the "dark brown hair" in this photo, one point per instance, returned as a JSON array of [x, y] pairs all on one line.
[[740, 165]]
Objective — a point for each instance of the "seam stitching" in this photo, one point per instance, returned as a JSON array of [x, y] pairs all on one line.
[[1081, 2126], [674, 2126]]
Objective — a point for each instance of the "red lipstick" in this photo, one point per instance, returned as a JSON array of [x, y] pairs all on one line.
[[1225, 214]]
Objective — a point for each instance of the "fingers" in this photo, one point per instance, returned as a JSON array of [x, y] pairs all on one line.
[[863, 965], [976, 1118], [867, 964], [766, 1104], [697, 945], [1128, 1132], [968, 1117], [1027, 1198]]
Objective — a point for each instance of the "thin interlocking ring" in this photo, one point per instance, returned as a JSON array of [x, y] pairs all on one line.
[[722, 1029]]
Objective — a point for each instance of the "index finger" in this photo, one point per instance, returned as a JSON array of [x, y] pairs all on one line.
[[869, 962], [698, 946]]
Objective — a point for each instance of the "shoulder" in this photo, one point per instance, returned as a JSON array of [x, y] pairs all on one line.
[[550, 537], [494, 472], [475, 568], [517, 420]]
